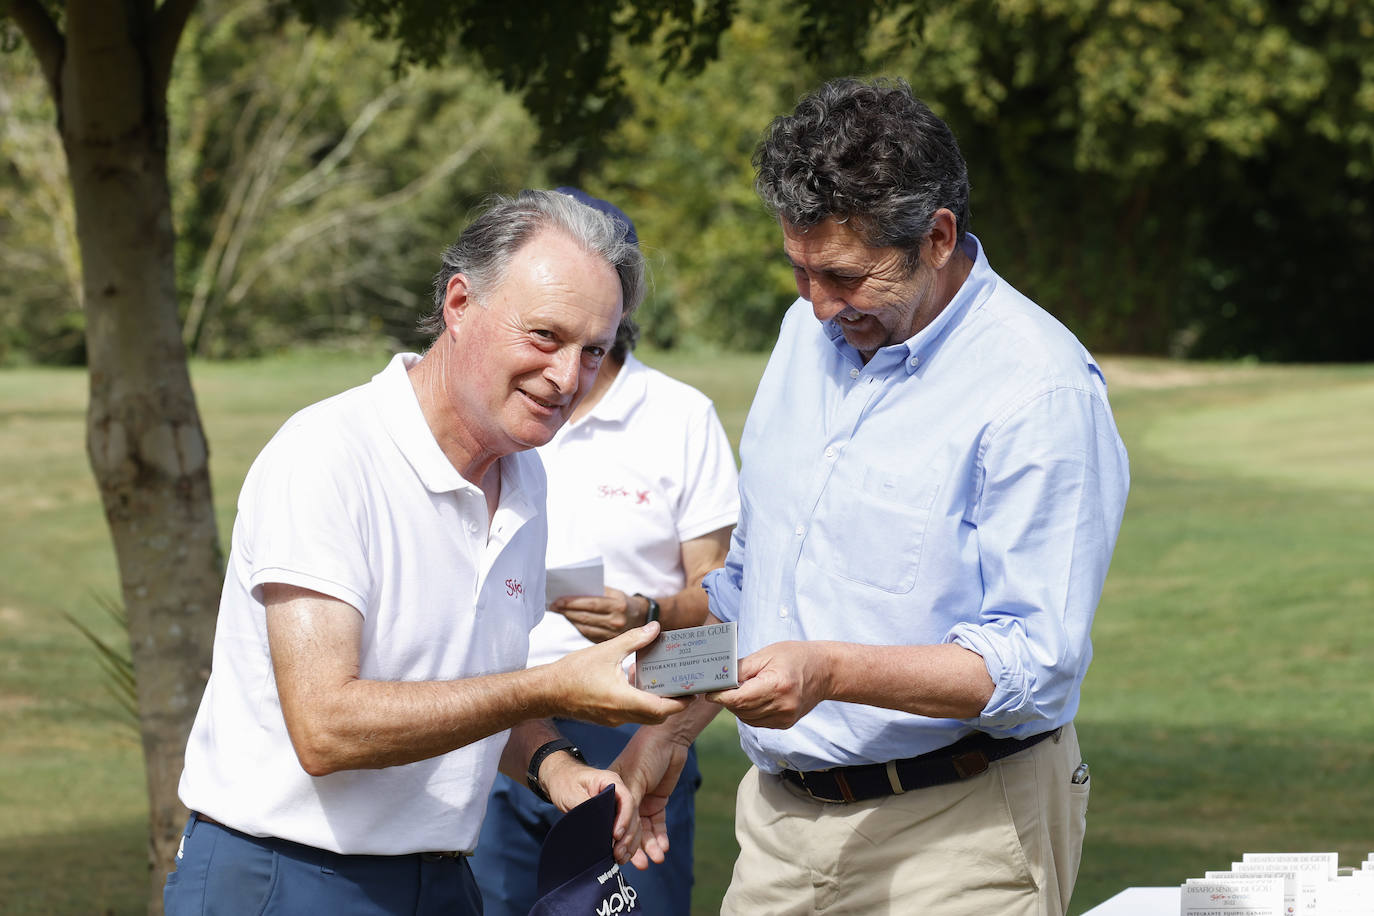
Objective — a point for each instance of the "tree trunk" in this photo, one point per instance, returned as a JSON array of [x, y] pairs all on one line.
[[144, 437]]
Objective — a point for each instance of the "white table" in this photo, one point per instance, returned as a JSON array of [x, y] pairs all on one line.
[[1140, 901]]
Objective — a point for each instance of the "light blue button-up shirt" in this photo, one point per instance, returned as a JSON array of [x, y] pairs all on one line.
[[965, 486]]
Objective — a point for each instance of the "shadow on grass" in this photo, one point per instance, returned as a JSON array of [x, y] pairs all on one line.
[[1169, 804], [98, 871]]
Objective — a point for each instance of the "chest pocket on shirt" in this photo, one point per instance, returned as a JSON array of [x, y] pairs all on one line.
[[870, 525]]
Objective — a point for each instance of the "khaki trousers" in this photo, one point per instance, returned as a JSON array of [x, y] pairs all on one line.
[[1005, 843]]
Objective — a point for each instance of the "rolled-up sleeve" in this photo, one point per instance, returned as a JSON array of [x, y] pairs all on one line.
[[725, 586], [1054, 478]]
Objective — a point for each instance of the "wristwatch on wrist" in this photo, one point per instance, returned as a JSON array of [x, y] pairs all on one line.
[[654, 610], [552, 747]]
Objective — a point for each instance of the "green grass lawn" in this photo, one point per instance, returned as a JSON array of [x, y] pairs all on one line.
[[1228, 709]]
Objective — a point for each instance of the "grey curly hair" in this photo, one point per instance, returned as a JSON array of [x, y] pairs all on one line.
[[484, 250], [870, 154]]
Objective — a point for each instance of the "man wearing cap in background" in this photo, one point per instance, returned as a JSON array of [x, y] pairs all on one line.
[[643, 479], [931, 489], [387, 566]]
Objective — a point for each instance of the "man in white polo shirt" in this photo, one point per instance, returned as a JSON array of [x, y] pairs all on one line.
[[387, 565], [641, 479]]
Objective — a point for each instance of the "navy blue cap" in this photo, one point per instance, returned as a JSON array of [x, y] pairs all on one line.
[[578, 874], [606, 207]]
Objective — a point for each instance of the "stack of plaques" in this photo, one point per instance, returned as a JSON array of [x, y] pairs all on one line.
[[1282, 884]]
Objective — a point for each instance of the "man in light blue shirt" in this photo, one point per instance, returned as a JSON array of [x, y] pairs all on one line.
[[931, 491]]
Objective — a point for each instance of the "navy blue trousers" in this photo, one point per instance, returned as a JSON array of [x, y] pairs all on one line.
[[507, 860], [223, 871]]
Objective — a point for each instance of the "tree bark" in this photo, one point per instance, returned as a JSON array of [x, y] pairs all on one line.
[[144, 436]]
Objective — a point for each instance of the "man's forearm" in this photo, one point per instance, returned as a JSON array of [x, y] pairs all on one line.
[[686, 608], [943, 681], [700, 555], [684, 727], [373, 724]]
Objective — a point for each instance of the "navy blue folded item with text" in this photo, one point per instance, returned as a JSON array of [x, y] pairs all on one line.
[[578, 874]]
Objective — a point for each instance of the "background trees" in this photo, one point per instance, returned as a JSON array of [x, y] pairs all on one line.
[[40, 270], [319, 183], [1168, 176]]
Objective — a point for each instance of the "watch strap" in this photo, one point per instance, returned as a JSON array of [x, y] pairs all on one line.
[[654, 610], [537, 760]]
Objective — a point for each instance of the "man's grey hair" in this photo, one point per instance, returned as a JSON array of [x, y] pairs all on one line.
[[867, 153], [484, 250]]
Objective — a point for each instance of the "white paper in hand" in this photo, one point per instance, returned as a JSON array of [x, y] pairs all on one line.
[[585, 578]]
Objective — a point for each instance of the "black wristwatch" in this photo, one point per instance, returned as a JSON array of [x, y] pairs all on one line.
[[552, 747], [654, 609]]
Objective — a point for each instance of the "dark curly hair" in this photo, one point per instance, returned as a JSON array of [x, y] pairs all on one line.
[[870, 154]]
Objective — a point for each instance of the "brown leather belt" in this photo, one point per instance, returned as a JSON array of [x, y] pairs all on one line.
[[456, 854], [963, 759]]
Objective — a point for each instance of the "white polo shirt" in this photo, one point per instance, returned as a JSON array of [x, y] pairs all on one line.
[[353, 498], [647, 468]]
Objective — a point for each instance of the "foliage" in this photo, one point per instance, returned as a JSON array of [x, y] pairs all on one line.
[[318, 185], [114, 662], [1181, 175], [1175, 176], [680, 166], [578, 86], [573, 85], [40, 271]]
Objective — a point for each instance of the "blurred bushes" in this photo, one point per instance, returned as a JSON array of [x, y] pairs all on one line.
[[40, 270], [1192, 177], [315, 186]]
